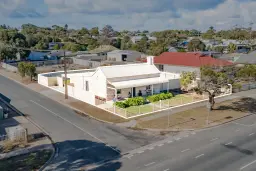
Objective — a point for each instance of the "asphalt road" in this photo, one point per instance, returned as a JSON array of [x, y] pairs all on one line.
[[80, 141], [229, 147]]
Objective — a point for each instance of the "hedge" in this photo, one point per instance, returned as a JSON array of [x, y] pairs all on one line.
[[136, 101], [158, 97]]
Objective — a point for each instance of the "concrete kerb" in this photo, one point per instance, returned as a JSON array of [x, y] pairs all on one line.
[[54, 148]]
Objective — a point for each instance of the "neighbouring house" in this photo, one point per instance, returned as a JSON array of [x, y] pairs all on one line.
[[172, 49], [41, 56], [89, 60], [110, 83], [123, 55], [178, 62], [136, 39], [246, 58]]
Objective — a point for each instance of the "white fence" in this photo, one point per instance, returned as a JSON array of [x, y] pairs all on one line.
[[136, 111], [9, 67]]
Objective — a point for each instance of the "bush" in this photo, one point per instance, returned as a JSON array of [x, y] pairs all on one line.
[[136, 101], [121, 104], [237, 85], [158, 97]]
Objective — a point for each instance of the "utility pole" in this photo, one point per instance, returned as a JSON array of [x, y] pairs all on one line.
[[65, 72]]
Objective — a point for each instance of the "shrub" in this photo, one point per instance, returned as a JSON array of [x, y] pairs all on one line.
[[162, 96], [237, 85], [121, 104], [136, 101]]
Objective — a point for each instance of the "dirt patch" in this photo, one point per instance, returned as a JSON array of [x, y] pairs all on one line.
[[96, 112], [28, 162], [196, 118]]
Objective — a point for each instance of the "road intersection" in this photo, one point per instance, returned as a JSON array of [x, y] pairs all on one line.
[[83, 141]]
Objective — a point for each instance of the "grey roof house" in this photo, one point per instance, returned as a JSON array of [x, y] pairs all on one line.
[[247, 58]]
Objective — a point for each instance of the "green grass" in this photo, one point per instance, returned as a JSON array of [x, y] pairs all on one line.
[[27, 162], [135, 110], [178, 100]]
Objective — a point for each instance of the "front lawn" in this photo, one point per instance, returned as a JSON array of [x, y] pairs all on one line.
[[135, 110], [196, 118]]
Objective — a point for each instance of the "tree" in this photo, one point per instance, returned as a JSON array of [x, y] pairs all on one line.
[[84, 31], [108, 31], [247, 73], [196, 45], [30, 70], [126, 43], [56, 47], [187, 78], [22, 69], [41, 45], [211, 82], [210, 33], [7, 53], [231, 48], [94, 31], [219, 49], [66, 27]]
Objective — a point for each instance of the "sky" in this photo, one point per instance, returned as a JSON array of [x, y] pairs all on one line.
[[149, 15]]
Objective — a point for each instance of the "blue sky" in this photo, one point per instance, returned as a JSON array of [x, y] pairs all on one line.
[[130, 14]]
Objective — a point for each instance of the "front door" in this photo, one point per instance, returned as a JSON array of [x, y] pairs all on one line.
[[134, 91]]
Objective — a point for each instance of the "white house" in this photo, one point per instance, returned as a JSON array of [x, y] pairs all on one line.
[[108, 83], [136, 39]]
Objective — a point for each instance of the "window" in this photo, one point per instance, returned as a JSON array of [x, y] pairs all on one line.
[[161, 67], [124, 57], [86, 86], [118, 91], [148, 87]]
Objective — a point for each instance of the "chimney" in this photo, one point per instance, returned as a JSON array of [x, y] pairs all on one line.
[[150, 60]]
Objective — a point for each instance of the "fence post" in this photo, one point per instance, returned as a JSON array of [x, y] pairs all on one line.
[[26, 135]]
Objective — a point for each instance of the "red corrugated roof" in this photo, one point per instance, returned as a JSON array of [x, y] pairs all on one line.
[[189, 59]]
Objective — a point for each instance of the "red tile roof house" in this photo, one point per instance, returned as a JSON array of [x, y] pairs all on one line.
[[177, 62]]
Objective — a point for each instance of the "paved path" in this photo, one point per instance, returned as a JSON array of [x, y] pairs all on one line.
[[80, 140]]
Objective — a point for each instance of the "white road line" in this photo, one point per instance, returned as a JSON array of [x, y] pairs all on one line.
[[193, 133], [248, 165], [159, 145], [55, 114], [185, 150], [177, 139], [228, 143], [149, 164], [237, 130], [140, 152], [150, 148], [166, 170], [130, 156], [186, 135], [251, 134], [169, 142], [199, 156], [214, 139]]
